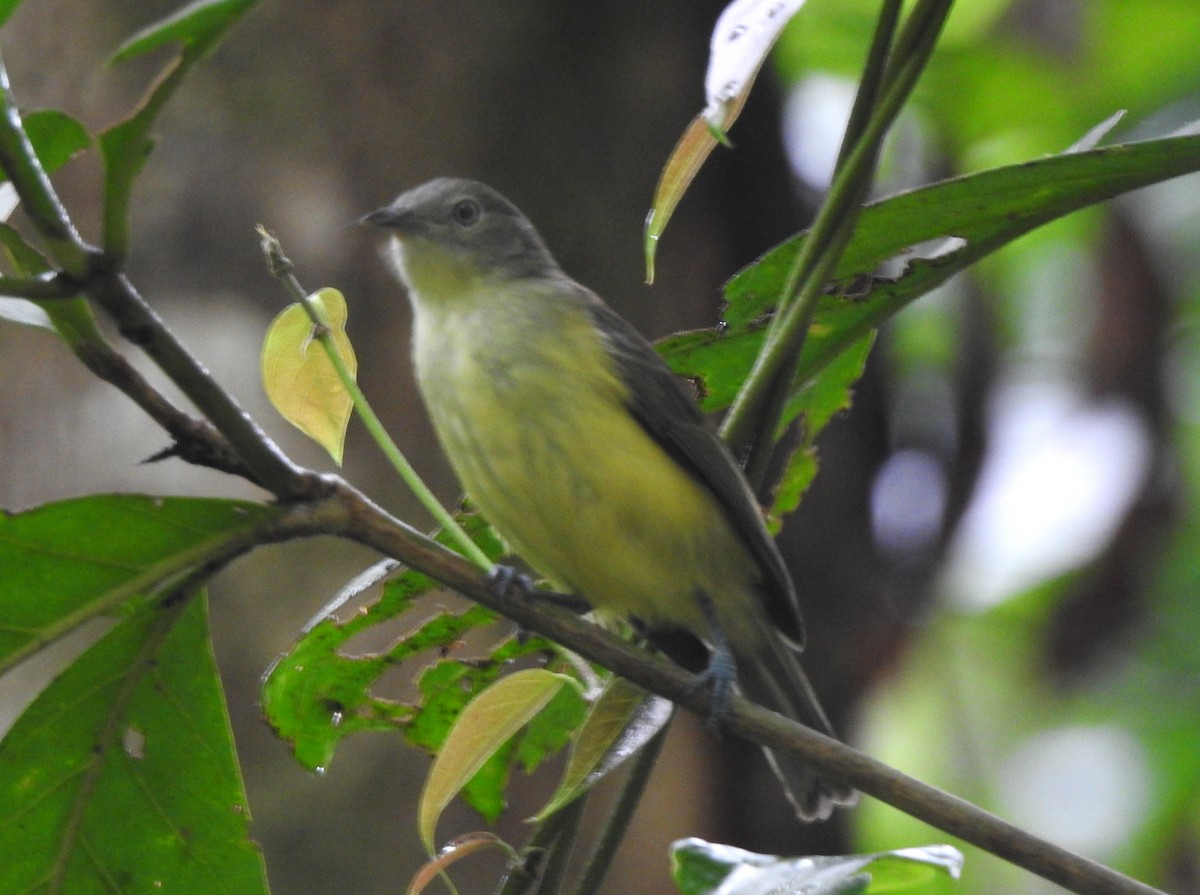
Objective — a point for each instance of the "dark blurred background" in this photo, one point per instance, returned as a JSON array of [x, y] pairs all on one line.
[[999, 556]]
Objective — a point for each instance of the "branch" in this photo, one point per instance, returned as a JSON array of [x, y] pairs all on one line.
[[86, 270], [264, 462], [195, 441], [371, 526], [20, 163]]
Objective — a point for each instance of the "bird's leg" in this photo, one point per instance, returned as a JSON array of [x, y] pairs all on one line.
[[721, 674], [505, 580]]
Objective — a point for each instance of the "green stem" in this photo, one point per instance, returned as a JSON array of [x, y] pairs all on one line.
[[872, 81], [833, 227], [39, 288], [283, 269], [38, 198], [555, 870], [618, 820], [538, 854]]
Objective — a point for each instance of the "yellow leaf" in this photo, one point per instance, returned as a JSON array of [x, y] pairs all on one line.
[[483, 727], [744, 34], [686, 158], [299, 377]]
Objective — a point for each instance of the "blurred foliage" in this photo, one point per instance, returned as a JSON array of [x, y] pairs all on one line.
[[981, 691]]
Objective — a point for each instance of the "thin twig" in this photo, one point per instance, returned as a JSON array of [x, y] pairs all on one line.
[[94, 274], [139, 323], [38, 198], [617, 823], [281, 268]]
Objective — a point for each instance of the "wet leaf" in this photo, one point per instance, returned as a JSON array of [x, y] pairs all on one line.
[[620, 722], [700, 868]]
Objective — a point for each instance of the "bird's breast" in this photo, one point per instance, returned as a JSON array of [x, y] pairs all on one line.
[[535, 423]]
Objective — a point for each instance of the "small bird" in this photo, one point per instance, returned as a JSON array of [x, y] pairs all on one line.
[[590, 457]]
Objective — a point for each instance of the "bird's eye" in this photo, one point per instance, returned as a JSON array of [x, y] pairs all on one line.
[[466, 212]]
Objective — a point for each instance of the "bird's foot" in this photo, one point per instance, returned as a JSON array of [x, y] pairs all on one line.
[[506, 581], [720, 679]]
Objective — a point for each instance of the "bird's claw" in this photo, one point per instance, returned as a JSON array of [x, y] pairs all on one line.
[[506, 581], [720, 679]]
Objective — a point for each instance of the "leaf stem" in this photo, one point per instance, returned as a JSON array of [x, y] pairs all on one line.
[[281, 268], [38, 198], [555, 869], [746, 426], [617, 823]]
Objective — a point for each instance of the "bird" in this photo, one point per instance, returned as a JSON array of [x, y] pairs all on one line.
[[591, 459]]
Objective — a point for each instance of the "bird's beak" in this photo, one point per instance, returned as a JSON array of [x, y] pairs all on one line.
[[389, 217]]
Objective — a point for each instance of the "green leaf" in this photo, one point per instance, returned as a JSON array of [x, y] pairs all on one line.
[[486, 725], [299, 378], [988, 210], [316, 694], [200, 23], [798, 475], [7, 8], [22, 257], [700, 867], [816, 403], [321, 691], [56, 137], [64, 563], [449, 686], [619, 723], [126, 145], [121, 776], [551, 731]]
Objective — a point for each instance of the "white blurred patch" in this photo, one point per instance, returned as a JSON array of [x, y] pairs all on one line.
[[1058, 477], [1084, 788], [744, 34], [8, 200], [908, 501], [814, 119]]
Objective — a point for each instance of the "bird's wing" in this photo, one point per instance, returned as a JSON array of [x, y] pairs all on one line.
[[660, 401]]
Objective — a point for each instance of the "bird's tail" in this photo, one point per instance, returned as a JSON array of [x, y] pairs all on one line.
[[772, 677]]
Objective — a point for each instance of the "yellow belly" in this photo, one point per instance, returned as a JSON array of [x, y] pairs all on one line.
[[544, 445]]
